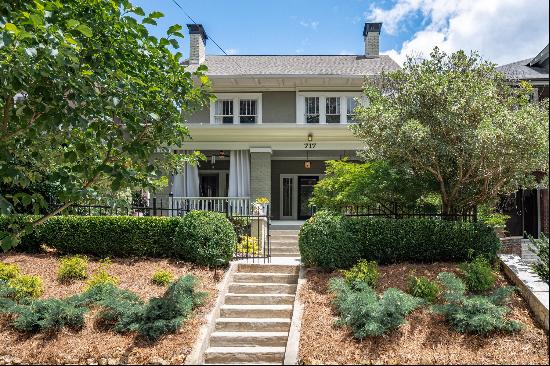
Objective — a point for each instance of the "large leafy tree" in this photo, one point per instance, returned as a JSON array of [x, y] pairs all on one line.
[[457, 119], [88, 100], [357, 184]]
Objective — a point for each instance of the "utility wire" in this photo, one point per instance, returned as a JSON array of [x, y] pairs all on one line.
[[209, 37]]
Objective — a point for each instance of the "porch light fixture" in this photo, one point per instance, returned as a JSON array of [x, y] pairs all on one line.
[[310, 137], [307, 163]]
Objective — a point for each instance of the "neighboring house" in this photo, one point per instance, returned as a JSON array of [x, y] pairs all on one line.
[[529, 208], [275, 121]]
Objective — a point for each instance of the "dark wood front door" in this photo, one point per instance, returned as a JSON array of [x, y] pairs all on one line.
[[305, 189]]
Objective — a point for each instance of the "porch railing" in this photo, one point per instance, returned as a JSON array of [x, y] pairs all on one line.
[[229, 205]]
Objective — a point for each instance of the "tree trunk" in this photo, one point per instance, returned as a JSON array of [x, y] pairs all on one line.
[[449, 211]]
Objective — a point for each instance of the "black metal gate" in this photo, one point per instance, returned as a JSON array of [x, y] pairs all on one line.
[[253, 235]]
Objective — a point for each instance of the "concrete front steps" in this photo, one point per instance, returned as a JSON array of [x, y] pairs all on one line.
[[255, 317], [284, 242]]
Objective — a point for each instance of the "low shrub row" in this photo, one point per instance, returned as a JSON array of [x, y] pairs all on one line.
[[369, 314], [332, 241], [120, 310], [200, 237]]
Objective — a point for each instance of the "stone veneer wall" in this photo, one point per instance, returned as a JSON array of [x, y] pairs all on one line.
[[511, 245]]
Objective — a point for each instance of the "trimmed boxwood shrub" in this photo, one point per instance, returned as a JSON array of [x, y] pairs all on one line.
[[205, 238], [200, 237], [324, 241], [334, 241], [111, 236]]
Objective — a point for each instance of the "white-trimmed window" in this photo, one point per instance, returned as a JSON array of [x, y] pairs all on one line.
[[312, 110], [223, 112], [330, 107], [332, 112], [233, 108], [350, 115], [247, 113]]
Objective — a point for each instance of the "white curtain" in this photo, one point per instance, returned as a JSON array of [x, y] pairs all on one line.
[[178, 185], [186, 183], [239, 173], [192, 181]]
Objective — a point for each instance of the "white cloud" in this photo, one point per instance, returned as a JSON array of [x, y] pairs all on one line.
[[313, 24], [232, 51], [346, 52], [502, 31]]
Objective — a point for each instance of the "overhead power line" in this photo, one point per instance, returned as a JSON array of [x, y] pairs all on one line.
[[209, 36]]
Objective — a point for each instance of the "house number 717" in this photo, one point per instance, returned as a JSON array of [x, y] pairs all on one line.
[[310, 145]]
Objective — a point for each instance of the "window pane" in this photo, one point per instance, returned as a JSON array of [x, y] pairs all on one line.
[[312, 109], [223, 111], [352, 103], [333, 109], [247, 111], [287, 196]]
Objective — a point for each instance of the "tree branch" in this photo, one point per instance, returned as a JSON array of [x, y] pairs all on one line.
[[7, 109]]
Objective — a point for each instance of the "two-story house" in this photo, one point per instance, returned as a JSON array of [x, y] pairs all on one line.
[[528, 209], [276, 119]]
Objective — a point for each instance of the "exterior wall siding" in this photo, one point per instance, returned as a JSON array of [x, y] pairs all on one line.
[[279, 107], [200, 116]]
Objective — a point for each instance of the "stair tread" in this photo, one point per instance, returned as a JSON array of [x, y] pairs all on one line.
[[251, 307], [261, 295], [236, 349], [254, 320], [262, 284], [248, 334], [267, 274]]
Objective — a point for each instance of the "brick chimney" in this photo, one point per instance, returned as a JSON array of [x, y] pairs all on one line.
[[371, 33], [197, 42]]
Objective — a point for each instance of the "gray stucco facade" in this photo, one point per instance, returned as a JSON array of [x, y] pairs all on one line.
[[277, 107]]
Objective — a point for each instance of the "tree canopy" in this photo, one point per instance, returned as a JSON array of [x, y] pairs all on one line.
[[89, 100], [357, 184], [457, 119]]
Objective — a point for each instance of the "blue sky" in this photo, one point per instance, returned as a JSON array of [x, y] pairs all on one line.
[[502, 30]]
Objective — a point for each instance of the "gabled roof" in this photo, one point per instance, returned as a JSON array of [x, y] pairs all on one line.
[[540, 59], [530, 69], [297, 65]]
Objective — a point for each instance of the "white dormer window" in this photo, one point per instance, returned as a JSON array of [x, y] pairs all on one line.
[[236, 109]]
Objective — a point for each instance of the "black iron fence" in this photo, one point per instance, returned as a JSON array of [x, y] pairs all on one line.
[[251, 225], [396, 211]]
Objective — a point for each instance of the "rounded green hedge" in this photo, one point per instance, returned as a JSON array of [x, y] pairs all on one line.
[[334, 241], [205, 238], [325, 242]]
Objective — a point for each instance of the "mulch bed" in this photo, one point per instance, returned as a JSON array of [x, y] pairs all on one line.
[[91, 345], [424, 339]]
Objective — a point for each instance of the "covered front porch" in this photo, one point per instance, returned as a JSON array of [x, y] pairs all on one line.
[[231, 181]]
